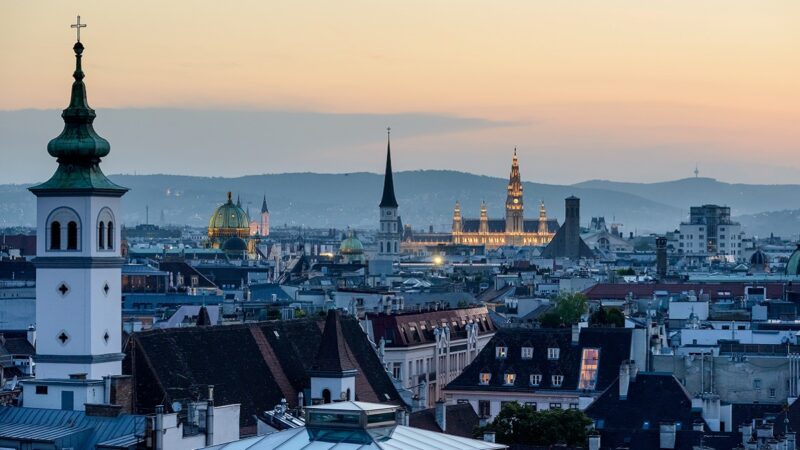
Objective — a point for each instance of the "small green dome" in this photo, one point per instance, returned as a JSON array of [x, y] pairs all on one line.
[[793, 266], [229, 215], [351, 245]]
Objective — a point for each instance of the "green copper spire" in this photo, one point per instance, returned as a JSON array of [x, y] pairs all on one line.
[[78, 149], [78, 143]]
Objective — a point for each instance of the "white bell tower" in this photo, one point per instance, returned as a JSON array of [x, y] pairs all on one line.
[[78, 266]]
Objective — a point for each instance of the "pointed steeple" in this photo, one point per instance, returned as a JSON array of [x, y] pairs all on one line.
[[238, 201], [264, 208], [78, 149], [388, 199], [333, 355]]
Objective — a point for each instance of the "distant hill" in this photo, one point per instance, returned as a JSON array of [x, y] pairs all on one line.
[[427, 198], [742, 198]]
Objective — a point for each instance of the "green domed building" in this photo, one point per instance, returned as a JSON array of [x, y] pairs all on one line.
[[351, 249], [230, 221], [793, 266]]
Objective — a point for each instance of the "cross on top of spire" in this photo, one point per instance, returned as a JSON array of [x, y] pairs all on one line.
[[78, 25]]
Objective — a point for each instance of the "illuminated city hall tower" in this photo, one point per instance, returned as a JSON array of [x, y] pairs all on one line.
[[514, 207], [78, 264]]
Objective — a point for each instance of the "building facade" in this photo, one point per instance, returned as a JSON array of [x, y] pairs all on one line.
[[514, 229], [710, 233]]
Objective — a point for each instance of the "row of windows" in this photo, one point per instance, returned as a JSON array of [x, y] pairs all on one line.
[[510, 378], [485, 406], [389, 247], [501, 352], [64, 230]]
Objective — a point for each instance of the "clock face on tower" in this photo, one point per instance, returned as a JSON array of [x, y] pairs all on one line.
[[516, 200]]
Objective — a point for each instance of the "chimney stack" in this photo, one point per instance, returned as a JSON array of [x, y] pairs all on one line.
[[667, 435], [661, 257], [576, 334], [624, 380], [594, 442], [747, 432], [441, 415], [210, 416], [32, 335], [158, 429]]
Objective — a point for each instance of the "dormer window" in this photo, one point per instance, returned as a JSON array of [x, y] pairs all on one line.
[[527, 352], [553, 353], [501, 352], [536, 379], [557, 380], [485, 378], [509, 378]]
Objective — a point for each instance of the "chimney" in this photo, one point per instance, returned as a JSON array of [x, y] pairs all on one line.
[[300, 399], [210, 416], [594, 442], [666, 436], [441, 415], [697, 426], [747, 432], [402, 417], [661, 256], [576, 334], [158, 429], [488, 436], [624, 379], [32, 335], [107, 390]]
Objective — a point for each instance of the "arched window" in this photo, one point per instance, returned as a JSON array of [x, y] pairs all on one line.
[[72, 235], [101, 235], [110, 240], [381, 246], [395, 247], [63, 227], [326, 396], [105, 229], [55, 236]]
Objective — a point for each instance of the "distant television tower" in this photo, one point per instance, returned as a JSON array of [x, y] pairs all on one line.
[[696, 171]]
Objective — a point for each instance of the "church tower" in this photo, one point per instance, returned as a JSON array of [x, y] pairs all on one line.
[[78, 266], [389, 233], [264, 218], [514, 221], [483, 224]]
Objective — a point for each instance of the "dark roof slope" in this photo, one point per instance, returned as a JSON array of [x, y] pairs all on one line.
[[614, 345], [653, 398], [461, 420], [173, 364], [416, 328]]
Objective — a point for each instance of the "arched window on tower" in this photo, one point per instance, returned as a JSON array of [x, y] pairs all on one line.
[[72, 235], [101, 235], [110, 238], [55, 236], [381, 246], [395, 247]]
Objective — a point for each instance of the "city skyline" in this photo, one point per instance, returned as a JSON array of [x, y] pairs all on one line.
[[566, 84]]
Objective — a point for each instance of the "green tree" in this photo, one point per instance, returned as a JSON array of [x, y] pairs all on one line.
[[607, 317], [568, 310], [522, 425]]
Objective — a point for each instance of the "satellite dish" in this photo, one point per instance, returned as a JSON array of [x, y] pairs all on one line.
[[176, 406]]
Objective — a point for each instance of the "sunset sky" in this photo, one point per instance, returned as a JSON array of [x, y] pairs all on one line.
[[627, 90]]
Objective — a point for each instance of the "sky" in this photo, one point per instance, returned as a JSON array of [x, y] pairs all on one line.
[[626, 90]]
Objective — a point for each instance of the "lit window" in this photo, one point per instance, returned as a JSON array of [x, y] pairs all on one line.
[[485, 377], [527, 352], [509, 378], [589, 363], [536, 379], [557, 380], [501, 352], [553, 352]]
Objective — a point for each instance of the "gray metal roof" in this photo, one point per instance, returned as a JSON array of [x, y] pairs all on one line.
[[39, 433], [392, 438], [46, 422]]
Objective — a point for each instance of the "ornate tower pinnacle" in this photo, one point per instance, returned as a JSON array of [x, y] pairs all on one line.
[[483, 225], [542, 218], [457, 224], [514, 204]]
